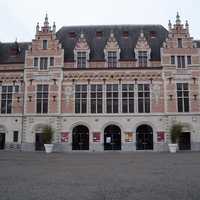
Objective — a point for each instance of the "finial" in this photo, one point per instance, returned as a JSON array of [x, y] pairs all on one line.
[[187, 25], [82, 35], [54, 27], [178, 21], [141, 33], [46, 22], [37, 27], [170, 25]]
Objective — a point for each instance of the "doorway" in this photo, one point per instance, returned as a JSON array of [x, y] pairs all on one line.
[[112, 138], [185, 141], [144, 138], [39, 144], [2, 140], [80, 138]]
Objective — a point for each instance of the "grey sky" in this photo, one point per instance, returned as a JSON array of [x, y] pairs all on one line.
[[18, 18]]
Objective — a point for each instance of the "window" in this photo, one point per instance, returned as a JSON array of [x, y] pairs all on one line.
[[72, 34], [81, 59], [51, 61], [43, 63], [180, 45], [189, 60], [182, 97], [15, 136], [45, 44], [96, 97], [173, 60], [127, 98], [142, 57], [181, 62], [143, 98], [112, 98], [112, 59], [80, 98], [42, 99], [99, 34], [35, 62], [125, 34], [16, 88], [6, 99]]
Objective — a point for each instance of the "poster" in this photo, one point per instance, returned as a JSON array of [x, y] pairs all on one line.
[[128, 137], [108, 139], [64, 137], [96, 137], [160, 136]]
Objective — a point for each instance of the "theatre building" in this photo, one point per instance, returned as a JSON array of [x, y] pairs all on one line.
[[101, 88]]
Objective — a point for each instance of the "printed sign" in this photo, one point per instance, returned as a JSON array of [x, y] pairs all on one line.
[[108, 139], [160, 136], [96, 137], [64, 137], [128, 137]]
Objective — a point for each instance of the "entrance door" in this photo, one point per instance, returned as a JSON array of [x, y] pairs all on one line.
[[2, 140], [184, 141], [39, 144], [80, 138], [112, 138], [144, 138]]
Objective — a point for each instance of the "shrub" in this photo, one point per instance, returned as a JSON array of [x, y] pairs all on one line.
[[47, 134], [175, 132]]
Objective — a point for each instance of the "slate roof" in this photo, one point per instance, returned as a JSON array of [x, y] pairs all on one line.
[[12, 53], [126, 45], [198, 43]]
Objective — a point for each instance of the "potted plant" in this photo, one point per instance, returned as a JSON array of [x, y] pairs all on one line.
[[47, 138], [175, 133]]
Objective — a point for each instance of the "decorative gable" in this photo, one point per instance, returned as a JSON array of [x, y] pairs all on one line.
[[81, 52], [142, 44], [112, 48]]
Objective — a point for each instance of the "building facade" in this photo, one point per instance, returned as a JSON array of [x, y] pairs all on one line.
[[101, 88]]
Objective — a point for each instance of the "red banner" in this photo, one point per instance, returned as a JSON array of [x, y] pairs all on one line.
[[160, 136], [64, 137], [96, 137]]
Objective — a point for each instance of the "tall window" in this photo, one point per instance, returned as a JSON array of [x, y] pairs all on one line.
[[35, 62], [15, 136], [189, 60], [96, 96], [43, 63], [51, 61], [80, 98], [112, 98], [112, 59], [181, 62], [142, 57], [81, 59], [143, 98], [42, 98], [173, 60], [127, 98], [6, 99], [182, 97], [44, 44], [180, 43]]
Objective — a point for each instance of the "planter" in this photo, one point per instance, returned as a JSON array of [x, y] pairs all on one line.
[[173, 148], [48, 148]]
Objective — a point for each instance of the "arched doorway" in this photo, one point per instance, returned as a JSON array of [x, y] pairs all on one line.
[[144, 138], [2, 137], [80, 138], [112, 138], [39, 144]]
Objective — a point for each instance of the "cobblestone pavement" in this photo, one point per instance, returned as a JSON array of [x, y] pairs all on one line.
[[99, 176]]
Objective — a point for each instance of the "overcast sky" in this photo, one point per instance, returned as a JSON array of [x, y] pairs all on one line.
[[18, 18]]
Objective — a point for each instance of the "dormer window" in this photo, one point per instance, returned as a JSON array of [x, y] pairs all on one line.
[[142, 58], [180, 44], [112, 59], [45, 44], [81, 59]]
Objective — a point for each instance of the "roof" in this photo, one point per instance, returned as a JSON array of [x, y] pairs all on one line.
[[197, 42], [155, 35], [12, 53]]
